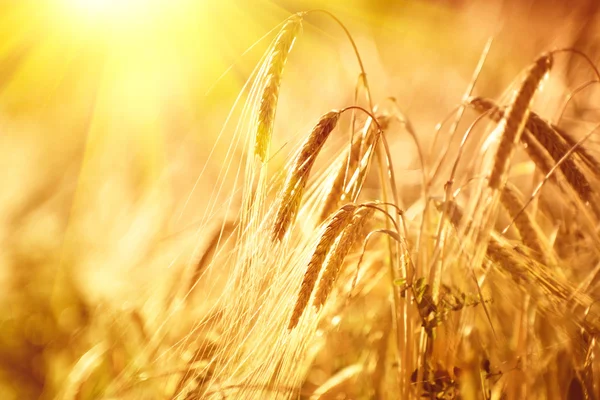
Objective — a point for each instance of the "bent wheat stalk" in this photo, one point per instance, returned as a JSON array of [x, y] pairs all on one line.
[[336, 225], [336, 257], [291, 195]]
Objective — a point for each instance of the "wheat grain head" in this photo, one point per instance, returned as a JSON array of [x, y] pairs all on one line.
[[515, 118], [336, 257], [291, 195], [538, 132], [338, 222], [270, 94], [513, 205], [350, 162]]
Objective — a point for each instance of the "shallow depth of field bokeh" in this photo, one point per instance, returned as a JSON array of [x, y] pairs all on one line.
[[119, 160]]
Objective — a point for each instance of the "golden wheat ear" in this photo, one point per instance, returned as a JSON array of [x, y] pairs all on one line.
[[538, 132], [281, 48], [527, 230], [293, 189], [339, 190], [554, 143], [337, 223], [538, 155], [350, 235], [514, 120]]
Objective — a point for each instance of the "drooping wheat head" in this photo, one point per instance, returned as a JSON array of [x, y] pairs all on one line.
[[291, 194], [338, 190], [348, 238], [338, 222]]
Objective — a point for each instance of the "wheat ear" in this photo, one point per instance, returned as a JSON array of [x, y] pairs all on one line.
[[338, 191], [558, 147], [291, 195], [333, 263], [539, 132], [534, 150], [588, 158], [336, 225], [268, 101], [511, 202], [514, 119]]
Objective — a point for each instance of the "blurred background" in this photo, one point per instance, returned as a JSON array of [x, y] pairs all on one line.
[[113, 134]]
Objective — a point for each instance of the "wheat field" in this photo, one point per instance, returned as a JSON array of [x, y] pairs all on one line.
[[299, 200]]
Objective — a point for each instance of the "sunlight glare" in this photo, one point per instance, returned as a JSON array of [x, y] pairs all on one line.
[[113, 12], [113, 7]]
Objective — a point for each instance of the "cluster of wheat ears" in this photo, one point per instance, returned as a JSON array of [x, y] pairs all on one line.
[[482, 288]]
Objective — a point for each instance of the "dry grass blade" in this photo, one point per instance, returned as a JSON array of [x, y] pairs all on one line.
[[514, 119], [270, 95], [337, 223], [336, 257], [291, 195], [81, 372], [335, 386]]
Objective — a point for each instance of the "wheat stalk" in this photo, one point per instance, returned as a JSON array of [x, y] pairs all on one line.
[[540, 157], [270, 94], [534, 149], [514, 119], [540, 132], [336, 257], [336, 225], [338, 190], [523, 222], [291, 195], [557, 147]]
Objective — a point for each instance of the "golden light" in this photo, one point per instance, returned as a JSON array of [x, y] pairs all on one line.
[[122, 70], [114, 14], [106, 6]]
